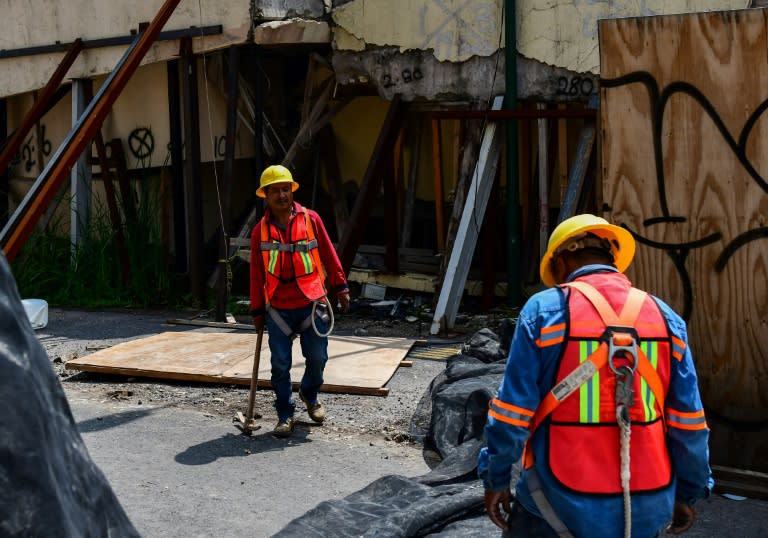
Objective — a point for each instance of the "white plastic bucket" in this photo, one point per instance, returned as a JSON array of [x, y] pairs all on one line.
[[37, 312]]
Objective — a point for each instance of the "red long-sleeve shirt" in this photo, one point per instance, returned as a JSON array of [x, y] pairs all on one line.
[[288, 295]]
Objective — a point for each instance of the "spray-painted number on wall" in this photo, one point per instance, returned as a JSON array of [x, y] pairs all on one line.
[[406, 75], [575, 86]]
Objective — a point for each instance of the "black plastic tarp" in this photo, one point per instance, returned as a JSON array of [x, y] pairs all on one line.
[[447, 501], [49, 486]]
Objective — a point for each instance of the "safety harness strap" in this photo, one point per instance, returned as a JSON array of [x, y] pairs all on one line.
[[303, 326], [290, 247], [280, 322], [542, 503], [629, 312]]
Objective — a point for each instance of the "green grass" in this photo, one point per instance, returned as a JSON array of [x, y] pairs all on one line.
[[91, 275]]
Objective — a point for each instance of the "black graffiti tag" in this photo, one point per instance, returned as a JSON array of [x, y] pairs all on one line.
[[141, 143], [27, 153], [658, 99]]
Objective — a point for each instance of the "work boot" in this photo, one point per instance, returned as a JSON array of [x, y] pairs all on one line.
[[316, 410], [284, 428]]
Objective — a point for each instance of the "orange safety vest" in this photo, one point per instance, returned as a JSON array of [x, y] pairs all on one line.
[[308, 270], [583, 447]]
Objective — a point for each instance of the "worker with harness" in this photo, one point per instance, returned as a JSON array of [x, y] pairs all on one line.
[[292, 258], [599, 398]]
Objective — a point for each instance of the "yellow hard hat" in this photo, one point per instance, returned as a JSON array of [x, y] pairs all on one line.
[[622, 242], [275, 174]]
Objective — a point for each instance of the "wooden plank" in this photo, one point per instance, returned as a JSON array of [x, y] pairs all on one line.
[[109, 191], [686, 174], [309, 83], [474, 208], [330, 162], [356, 365], [437, 181], [468, 161], [349, 242], [458, 133], [192, 171], [410, 191], [304, 136], [489, 245], [543, 139], [750, 484], [562, 152], [392, 207], [216, 324], [573, 193]]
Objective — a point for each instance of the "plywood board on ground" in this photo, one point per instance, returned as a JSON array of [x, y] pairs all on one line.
[[356, 365]]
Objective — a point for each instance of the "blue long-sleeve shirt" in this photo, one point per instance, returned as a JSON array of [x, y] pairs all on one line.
[[529, 376]]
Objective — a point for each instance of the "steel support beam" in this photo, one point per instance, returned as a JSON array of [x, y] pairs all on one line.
[[177, 168], [516, 114], [110, 41], [20, 226], [192, 179], [80, 176]]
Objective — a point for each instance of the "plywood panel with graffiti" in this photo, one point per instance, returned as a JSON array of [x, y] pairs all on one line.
[[685, 168]]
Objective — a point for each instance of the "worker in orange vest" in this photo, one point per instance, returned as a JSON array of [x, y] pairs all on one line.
[[600, 398], [292, 260]]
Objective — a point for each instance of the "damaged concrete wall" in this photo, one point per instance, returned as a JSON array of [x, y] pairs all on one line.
[[282, 9], [45, 22], [453, 30], [451, 49]]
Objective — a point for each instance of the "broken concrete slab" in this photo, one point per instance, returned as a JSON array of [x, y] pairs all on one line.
[[292, 32]]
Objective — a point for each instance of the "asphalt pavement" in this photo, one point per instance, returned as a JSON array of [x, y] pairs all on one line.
[[180, 473], [187, 472]]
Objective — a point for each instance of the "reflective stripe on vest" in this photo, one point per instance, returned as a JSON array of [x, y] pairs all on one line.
[[589, 392], [651, 350], [308, 270]]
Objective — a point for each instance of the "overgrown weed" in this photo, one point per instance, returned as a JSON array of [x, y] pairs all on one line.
[[90, 275]]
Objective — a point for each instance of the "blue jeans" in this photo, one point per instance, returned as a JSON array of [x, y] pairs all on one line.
[[313, 347]]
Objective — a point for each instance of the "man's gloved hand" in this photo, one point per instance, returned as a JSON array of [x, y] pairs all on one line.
[[258, 322], [495, 502], [683, 517], [343, 299]]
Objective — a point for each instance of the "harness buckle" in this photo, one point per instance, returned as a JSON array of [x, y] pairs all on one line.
[[622, 349]]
